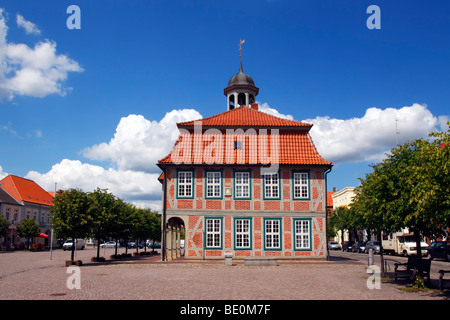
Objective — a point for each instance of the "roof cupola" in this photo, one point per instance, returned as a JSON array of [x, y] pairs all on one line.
[[241, 89]]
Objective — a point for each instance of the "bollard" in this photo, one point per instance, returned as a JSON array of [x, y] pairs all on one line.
[[371, 257], [228, 258]]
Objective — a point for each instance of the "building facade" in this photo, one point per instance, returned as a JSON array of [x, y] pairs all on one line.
[[30, 201], [245, 183], [343, 197]]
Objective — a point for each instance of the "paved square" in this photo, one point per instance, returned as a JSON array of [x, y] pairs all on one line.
[[31, 275]]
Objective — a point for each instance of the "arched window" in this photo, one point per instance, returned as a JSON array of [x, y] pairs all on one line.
[[241, 99]]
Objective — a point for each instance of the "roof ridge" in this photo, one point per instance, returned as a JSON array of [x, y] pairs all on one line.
[[247, 109]]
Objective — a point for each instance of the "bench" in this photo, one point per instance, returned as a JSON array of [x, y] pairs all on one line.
[[441, 278], [410, 269], [260, 261]]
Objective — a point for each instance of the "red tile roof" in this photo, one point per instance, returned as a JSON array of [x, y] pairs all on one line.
[[245, 117], [295, 146], [26, 190]]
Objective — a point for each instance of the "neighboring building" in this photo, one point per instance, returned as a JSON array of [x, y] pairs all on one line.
[[343, 197], [10, 209], [31, 202], [330, 202], [244, 182]]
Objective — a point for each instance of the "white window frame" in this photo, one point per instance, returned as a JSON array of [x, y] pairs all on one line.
[[213, 233], [301, 185], [242, 233], [272, 234], [271, 184], [185, 184], [302, 234], [213, 184], [241, 188]]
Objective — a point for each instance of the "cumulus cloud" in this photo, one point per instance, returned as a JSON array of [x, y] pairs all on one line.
[[2, 173], [124, 184], [37, 71], [139, 143], [28, 26], [264, 107], [370, 137]]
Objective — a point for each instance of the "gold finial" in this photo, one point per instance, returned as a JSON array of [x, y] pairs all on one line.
[[241, 42]]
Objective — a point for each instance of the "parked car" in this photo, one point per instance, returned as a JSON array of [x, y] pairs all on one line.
[[375, 245], [439, 249], [358, 247], [334, 245], [69, 243], [132, 244], [347, 246], [157, 245], [109, 244]]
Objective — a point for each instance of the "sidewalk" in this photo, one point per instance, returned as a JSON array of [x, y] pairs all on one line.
[[31, 275]]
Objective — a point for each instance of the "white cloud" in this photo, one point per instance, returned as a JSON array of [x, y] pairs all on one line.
[[28, 26], [36, 72], [267, 109], [370, 137], [139, 143], [124, 184], [2, 173]]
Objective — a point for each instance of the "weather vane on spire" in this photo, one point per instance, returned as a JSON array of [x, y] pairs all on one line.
[[241, 42]]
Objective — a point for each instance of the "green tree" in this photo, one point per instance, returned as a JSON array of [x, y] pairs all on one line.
[[121, 228], [103, 213], [28, 228], [155, 228], [70, 217], [340, 220], [4, 224], [409, 189]]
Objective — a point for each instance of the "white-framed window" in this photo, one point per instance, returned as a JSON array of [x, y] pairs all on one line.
[[272, 233], [302, 234], [185, 182], [213, 233], [271, 186], [213, 184], [242, 233], [242, 185], [301, 185]]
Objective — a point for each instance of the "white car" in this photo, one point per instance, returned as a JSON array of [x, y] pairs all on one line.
[[68, 244], [109, 244]]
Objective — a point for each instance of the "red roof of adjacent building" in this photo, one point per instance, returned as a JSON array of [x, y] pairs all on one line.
[[26, 190], [295, 146]]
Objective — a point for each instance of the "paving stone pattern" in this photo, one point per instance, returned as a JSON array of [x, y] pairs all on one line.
[[31, 275]]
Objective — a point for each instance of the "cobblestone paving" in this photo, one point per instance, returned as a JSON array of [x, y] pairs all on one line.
[[31, 275]]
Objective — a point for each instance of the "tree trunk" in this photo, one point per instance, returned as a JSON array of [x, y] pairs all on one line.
[[98, 246], [383, 272], [72, 255], [418, 252]]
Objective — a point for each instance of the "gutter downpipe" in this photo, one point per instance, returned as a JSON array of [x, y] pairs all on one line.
[[326, 214], [163, 249]]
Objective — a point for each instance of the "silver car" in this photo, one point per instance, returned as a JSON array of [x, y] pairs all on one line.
[[109, 244], [334, 245], [375, 245]]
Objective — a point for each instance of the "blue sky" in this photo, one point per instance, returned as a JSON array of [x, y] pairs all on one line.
[[134, 65]]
